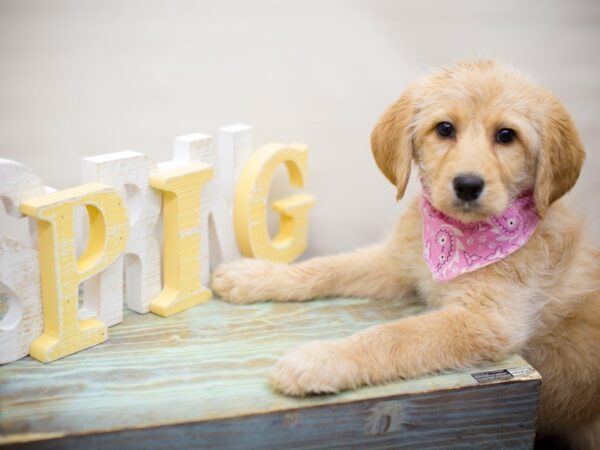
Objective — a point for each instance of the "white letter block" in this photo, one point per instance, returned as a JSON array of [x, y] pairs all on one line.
[[218, 240], [19, 267], [129, 172], [20, 284]]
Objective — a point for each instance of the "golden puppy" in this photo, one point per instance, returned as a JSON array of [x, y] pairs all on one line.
[[480, 135]]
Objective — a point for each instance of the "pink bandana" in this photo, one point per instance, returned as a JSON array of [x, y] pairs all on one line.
[[451, 247]]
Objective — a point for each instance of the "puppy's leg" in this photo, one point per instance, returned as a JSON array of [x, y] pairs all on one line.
[[371, 272], [451, 337]]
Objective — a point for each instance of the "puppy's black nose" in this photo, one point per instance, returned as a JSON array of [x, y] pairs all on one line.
[[468, 187]]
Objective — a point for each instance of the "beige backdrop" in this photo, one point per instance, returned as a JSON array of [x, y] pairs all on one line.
[[79, 78]]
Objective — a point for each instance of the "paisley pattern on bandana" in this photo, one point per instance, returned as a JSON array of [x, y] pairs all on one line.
[[452, 248]]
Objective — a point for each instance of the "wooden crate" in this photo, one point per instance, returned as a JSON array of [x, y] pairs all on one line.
[[198, 380]]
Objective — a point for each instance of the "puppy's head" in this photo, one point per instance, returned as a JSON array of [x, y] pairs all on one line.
[[480, 134]]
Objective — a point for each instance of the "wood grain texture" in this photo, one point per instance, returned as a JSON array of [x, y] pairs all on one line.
[[198, 379]]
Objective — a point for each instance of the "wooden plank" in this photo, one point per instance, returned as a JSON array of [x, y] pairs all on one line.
[[480, 418], [199, 379]]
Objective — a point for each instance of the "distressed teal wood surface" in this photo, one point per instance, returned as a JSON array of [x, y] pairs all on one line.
[[208, 363]]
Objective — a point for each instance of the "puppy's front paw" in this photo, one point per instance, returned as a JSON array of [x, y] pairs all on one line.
[[319, 367], [243, 281]]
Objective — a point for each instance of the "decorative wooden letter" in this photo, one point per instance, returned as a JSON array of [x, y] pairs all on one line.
[[181, 189], [250, 213], [61, 271], [218, 242], [19, 268], [128, 172], [20, 284]]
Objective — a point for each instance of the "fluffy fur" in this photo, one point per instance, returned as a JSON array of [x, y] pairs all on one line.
[[543, 301]]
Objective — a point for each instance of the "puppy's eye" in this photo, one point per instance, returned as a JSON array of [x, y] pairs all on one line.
[[445, 129], [506, 136]]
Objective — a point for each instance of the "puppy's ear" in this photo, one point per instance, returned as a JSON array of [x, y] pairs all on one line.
[[560, 159], [391, 142]]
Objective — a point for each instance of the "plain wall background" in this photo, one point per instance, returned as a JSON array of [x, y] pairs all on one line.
[[78, 78]]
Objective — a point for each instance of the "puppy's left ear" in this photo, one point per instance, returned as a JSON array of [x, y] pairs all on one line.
[[560, 159], [391, 142]]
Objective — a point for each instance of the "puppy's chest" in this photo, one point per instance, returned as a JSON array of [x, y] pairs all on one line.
[[434, 294], [437, 294]]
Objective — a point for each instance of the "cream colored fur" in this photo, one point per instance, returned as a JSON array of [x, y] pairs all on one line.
[[543, 301]]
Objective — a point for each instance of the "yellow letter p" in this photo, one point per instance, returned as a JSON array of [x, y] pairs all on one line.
[[62, 272]]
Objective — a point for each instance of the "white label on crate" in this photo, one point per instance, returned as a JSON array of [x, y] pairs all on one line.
[[520, 371]]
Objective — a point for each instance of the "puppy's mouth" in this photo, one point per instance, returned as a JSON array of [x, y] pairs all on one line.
[[465, 211], [467, 206], [468, 211]]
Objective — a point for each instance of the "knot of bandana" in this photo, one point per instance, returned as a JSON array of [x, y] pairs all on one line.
[[451, 247]]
